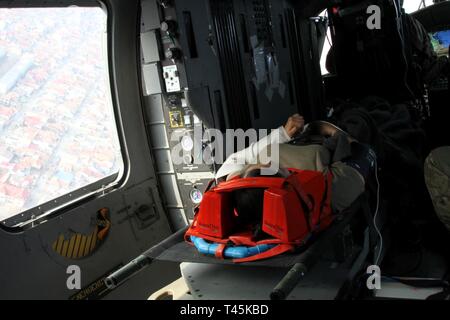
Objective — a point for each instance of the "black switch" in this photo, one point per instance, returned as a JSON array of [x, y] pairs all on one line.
[[174, 54], [169, 26], [166, 3]]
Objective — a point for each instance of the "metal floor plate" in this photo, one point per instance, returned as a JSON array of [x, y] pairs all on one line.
[[223, 282]]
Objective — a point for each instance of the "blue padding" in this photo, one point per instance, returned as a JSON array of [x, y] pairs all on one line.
[[229, 252]]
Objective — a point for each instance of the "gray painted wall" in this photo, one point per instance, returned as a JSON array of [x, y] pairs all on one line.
[[29, 268]]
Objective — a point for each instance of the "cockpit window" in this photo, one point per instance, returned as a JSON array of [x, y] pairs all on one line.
[[57, 128], [414, 5]]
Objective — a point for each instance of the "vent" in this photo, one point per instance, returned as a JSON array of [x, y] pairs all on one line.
[[245, 39], [190, 35], [254, 99], [262, 22], [230, 63]]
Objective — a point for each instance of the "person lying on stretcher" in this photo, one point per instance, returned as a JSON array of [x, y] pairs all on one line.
[[319, 146]]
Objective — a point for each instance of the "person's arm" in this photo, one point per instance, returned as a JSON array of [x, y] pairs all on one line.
[[236, 162]]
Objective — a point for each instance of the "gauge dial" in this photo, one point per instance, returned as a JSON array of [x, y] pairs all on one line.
[[196, 196]]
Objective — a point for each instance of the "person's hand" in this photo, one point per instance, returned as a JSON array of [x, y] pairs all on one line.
[[294, 124]]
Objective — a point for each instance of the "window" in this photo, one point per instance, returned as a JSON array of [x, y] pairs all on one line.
[[414, 5], [326, 47], [58, 134]]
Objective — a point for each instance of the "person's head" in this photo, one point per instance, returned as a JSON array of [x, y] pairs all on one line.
[[249, 202]]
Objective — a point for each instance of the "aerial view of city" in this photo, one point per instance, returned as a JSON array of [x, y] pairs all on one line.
[[57, 128]]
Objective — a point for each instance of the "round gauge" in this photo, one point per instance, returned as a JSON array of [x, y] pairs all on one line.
[[188, 159], [187, 143], [196, 196]]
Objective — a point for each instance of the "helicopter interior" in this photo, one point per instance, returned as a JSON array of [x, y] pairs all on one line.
[[95, 96]]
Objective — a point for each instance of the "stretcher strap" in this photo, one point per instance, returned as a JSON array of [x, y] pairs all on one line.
[[220, 251], [306, 203], [325, 204], [277, 250]]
